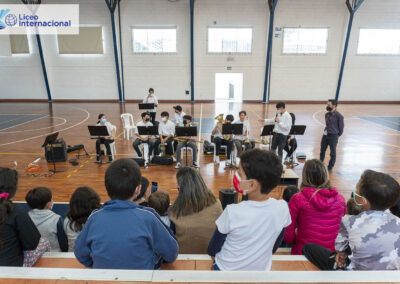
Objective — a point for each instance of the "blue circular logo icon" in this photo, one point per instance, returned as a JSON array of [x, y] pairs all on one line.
[[10, 20]]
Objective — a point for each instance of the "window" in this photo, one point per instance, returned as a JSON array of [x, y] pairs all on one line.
[[88, 41], [151, 40], [379, 41], [19, 44], [230, 40], [305, 40]]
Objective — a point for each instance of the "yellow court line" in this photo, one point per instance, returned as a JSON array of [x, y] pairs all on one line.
[[256, 114], [119, 135], [21, 153], [68, 176]]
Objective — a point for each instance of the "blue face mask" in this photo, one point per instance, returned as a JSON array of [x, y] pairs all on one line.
[[104, 120]]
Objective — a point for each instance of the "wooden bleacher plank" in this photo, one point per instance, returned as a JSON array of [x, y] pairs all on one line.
[[58, 263], [180, 265]]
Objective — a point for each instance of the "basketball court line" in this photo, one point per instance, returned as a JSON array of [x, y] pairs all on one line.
[[30, 138], [22, 122], [54, 117]]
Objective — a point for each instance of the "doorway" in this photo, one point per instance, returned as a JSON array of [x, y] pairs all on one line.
[[229, 87]]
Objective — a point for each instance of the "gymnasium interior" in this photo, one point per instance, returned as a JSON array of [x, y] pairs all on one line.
[[209, 57]]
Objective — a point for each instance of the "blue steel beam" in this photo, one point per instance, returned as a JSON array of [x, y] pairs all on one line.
[[120, 46], [44, 71], [112, 9], [191, 51], [267, 82], [352, 11]]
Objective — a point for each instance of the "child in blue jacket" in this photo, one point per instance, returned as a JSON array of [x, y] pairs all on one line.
[[122, 234]]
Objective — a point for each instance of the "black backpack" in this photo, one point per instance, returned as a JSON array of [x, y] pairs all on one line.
[[162, 160]]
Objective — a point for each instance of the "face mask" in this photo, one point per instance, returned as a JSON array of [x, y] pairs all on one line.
[[104, 120], [147, 119], [236, 183], [328, 108], [185, 122], [163, 119]]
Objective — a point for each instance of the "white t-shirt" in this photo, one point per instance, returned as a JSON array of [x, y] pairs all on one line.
[[179, 118], [166, 128], [218, 133], [151, 100], [141, 123], [252, 229], [246, 127], [285, 124]]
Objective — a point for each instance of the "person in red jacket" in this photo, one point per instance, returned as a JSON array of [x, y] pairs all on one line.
[[316, 211]]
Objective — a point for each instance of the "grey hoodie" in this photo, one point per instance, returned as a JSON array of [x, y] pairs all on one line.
[[50, 226]]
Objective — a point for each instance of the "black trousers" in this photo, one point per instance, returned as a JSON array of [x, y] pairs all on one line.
[[330, 140], [229, 145], [169, 148], [106, 143], [152, 117], [322, 257], [137, 142], [278, 141], [290, 147]]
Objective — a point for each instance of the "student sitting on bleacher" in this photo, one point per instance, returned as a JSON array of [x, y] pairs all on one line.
[[122, 234], [18, 232], [194, 212], [371, 239], [316, 211], [49, 224], [83, 201], [249, 232], [159, 201]]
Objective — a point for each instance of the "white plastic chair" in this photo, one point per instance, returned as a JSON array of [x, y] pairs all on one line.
[[128, 124], [265, 145], [183, 158], [112, 145], [215, 149]]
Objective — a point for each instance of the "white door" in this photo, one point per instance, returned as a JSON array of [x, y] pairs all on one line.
[[229, 87]]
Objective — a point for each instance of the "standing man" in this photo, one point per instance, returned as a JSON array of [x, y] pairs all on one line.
[[179, 114], [151, 99], [166, 130], [334, 128], [283, 124], [145, 139]]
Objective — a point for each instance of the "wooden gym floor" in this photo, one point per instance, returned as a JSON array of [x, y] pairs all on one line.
[[371, 140]]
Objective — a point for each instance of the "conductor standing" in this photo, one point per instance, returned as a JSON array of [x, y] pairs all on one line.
[[333, 130]]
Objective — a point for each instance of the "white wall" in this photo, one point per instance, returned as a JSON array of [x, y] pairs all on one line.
[[293, 77]]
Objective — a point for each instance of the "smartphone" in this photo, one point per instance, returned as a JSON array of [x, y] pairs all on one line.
[[154, 186]]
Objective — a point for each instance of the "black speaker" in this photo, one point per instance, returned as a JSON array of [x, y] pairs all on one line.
[[56, 152], [140, 161], [228, 196]]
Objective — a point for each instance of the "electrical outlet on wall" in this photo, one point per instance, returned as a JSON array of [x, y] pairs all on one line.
[[187, 93]]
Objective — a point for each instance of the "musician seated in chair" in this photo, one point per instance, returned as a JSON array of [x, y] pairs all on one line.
[[166, 130], [189, 143], [220, 139], [240, 140], [105, 140], [147, 140]]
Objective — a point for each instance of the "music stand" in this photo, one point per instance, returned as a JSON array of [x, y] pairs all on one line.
[[190, 131], [48, 142], [147, 130], [296, 130], [268, 131], [146, 106], [230, 129]]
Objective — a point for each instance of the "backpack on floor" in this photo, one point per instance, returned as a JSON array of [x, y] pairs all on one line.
[[208, 148], [162, 160]]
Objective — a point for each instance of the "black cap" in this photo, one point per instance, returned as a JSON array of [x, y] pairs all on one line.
[[178, 108]]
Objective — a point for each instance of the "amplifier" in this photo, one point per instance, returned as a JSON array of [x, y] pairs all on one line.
[[56, 152]]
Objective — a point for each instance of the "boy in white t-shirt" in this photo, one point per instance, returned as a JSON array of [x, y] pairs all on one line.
[[248, 233]]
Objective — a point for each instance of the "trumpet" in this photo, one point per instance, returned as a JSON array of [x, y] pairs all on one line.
[[184, 140]]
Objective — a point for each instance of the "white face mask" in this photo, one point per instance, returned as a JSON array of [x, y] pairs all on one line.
[[163, 119]]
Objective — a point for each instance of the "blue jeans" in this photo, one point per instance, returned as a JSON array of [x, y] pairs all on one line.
[[215, 266]]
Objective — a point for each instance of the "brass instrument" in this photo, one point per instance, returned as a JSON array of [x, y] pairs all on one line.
[[184, 140], [220, 119]]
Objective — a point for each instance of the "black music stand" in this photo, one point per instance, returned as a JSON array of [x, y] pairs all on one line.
[[190, 131], [146, 106], [296, 130], [96, 132], [48, 142], [232, 129], [267, 131]]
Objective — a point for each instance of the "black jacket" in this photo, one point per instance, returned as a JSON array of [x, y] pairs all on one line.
[[18, 234]]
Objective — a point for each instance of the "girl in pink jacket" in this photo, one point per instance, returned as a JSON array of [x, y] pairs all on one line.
[[316, 211]]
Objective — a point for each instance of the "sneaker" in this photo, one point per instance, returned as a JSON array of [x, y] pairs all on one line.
[[178, 165], [217, 160], [98, 159], [146, 165], [196, 165], [228, 163], [173, 159]]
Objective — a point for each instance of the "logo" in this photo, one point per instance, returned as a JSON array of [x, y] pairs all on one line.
[[11, 20], [2, 15]]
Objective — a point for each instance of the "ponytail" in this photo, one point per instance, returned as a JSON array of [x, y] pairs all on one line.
[[5, 209], [8, 187]]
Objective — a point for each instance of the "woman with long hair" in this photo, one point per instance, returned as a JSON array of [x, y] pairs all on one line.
[[83, 201], [316, 211], [194, 212], [20, 242]]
